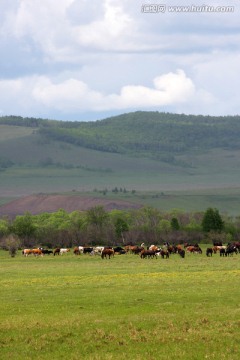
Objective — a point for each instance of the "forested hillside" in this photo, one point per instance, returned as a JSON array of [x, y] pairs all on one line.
[[151, 134]]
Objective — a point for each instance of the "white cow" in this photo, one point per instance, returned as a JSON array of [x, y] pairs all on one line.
[[64, 251]]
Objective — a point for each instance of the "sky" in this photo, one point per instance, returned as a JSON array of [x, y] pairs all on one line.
[[82, 60]]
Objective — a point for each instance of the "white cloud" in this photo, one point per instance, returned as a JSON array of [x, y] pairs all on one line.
[[67, 56], [72, 95]]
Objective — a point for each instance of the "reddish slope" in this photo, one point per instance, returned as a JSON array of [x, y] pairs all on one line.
[[36, 204]]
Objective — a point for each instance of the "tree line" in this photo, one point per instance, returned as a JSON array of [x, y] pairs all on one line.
[[117, 227]]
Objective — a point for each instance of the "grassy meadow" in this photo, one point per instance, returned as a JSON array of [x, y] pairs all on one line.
[[83, 307]]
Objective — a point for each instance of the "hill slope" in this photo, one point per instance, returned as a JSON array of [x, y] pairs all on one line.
[[143, 151], [36, 204]]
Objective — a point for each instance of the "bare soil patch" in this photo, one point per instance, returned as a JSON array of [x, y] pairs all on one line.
[[36, 204]]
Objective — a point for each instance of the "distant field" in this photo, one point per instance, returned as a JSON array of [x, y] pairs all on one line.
[[124, 308]]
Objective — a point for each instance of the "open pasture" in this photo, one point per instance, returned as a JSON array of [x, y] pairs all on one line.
[[83, 307]]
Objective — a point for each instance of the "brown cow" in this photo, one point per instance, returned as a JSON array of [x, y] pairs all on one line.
[[194, 249], [148, 253], [27, 252], [107, 252], [37, 252]]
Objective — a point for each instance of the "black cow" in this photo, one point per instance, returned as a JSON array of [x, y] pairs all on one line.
[[46, 251], [222, 252], [119, 250], [182, 253], [209, 251], [87, 250], [230, 250]]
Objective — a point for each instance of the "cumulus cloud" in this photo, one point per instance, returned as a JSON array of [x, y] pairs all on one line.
[[70, 56], [71, 96]]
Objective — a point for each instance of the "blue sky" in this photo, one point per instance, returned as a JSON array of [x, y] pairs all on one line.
[[87, 60]]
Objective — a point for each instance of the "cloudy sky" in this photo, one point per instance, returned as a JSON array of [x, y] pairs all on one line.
[[87, 60]]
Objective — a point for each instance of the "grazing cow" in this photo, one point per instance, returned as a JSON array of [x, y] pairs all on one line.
[[209, 251], [87, 250], [153, 248], [37, 252], [107, 252], [217, 243], [64, 251], [179, 248], [76, 251], [148, 253], [119, 250], [134, 249], [222, 252], [98, 250], [172, 249], [194, 249], [230, 250], [56, 251], [236, 244], [164, 253], [217, 248], [46, 251], [181, 253], [27, 252]]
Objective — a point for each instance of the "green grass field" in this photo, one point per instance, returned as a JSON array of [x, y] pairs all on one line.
[[83, 307]]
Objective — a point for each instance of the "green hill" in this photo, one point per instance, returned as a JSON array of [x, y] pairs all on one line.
[[143, 151]]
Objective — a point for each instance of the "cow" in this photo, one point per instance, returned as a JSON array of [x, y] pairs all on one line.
[[209, 252], [46, 251], [88, 250], [64, 251], [76, 251], [222, 252], [27, 252], [153, 248], [181, 253], [37, 252], [119, 250], [164, 253], [56, 251], [236, 244], [194, 249], [136, 250], [172, 249], [148, 253], [98, 250], [107, 252], [217, 243], [217, 248], [230, 250]]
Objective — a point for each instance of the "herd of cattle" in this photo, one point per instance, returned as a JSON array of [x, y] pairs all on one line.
[[152, 251]]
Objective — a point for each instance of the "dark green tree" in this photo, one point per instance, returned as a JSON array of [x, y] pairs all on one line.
[[97, 219], [175, 224], [212, 221], [23, 226], [121, 227]]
